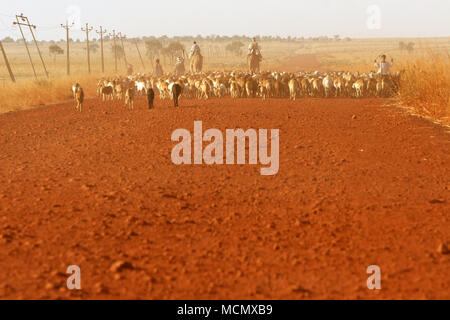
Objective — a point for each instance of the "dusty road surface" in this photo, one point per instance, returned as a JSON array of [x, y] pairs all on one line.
[[298, 62], [360, 184]]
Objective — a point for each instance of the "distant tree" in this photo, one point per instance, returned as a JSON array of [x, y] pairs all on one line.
[[94, 47], [164, 39], [187, 39], [154, 48], [165, 52], [174, 49], [8, 40], [120, 52], [402, 46], [235, 47], [410, 47], [55, 50]]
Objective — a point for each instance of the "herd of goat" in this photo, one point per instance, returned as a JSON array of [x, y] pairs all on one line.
[[244, 85]]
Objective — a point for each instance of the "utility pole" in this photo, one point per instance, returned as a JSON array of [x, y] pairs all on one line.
[[101, 33], [123, 47], [140, 56], [29, 25], [37, 47], [25, 42], [113, 34], [11, 74], [67, 27], [87, 45]]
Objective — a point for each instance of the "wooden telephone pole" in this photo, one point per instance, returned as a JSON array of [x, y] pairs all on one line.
[[87, 45], [140, 56], [123, 47], [11, 74], [113, 34], [26, 22], [67, 28], [25, 42], [101, 33]]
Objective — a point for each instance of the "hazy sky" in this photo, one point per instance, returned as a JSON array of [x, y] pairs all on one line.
[[353, 18]]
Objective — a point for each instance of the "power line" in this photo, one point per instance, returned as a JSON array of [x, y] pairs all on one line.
[[3, 22], [139, 52], [12, 16], [6, 15], [49, 28], [7, 26]]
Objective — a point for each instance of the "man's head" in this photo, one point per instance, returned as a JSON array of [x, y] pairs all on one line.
[[383, 58], [195, 42], [254, 39], [157, 60]]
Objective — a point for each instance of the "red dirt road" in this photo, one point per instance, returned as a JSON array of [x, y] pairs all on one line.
[[299, 62], [99, 188]]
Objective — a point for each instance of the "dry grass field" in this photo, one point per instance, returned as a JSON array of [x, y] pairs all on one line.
[[425, 86]]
